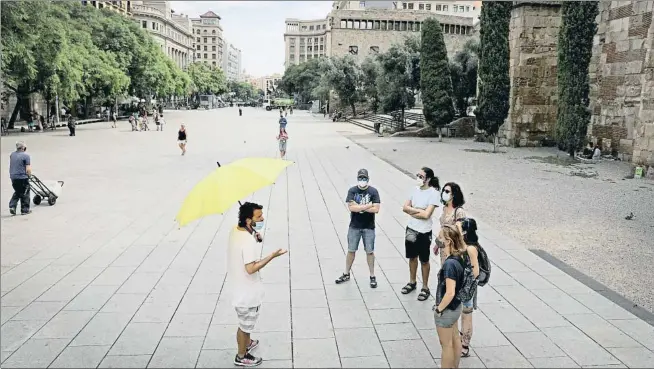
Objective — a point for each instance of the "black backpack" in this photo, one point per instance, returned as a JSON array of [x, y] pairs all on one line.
[[469, 285], [484, 266]]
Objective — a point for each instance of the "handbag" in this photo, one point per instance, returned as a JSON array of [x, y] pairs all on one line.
[[411, 235]]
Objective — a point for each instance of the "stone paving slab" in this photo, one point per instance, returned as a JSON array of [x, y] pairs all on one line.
[[106, 279]]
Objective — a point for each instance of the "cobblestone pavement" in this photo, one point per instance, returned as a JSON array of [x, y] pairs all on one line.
[[574, 212], [105, 278]]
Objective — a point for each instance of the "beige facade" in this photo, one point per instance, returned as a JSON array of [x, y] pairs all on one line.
[[123, 7], [208, 40], [232, 62], [468, 9], [171, 31], [364, 32]]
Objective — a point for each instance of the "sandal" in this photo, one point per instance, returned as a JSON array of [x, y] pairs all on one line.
[[373, 282], [410, 287], [343, 278], [424, 294], [466, 351]]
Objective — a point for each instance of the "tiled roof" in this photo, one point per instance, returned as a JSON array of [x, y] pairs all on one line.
[[209, 14]]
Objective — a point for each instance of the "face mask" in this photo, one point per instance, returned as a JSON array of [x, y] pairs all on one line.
[[446, 197], [363, 184], [419, 182], [258, 226]]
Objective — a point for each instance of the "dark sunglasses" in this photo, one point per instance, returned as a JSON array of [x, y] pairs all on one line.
[[362, 179]]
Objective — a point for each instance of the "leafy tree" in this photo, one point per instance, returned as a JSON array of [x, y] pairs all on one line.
[[435, 80], [494, 84], [344, 77], [206, 80], [463, 70], [576, 34], [371, 69], [397, 82], [302, 80]]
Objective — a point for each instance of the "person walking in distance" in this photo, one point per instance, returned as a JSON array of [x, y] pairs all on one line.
[[181, 139], [453, 212], [420, 206], [71, 124], [447, 309], [162, 122], [363, 202], [282, 138], [244, 263], [114, 119], [20, 169]]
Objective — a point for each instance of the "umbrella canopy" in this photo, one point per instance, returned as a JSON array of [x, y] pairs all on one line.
[[228, 184]]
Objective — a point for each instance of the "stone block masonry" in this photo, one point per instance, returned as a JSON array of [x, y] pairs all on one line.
[[533, 40], [622, 81]]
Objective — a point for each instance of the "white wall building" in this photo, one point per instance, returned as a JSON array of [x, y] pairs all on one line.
[[232, 62], [208, 39]]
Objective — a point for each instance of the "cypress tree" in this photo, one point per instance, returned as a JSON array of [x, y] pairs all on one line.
[[576, 34], [494, 85], [435, 79]]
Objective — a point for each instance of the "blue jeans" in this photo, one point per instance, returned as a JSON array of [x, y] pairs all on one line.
[[354, 235]]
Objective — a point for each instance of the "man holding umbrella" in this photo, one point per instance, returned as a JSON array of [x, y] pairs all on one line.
[[244, 264]]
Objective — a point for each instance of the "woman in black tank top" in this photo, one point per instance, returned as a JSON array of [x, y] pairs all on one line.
[[181, 139]]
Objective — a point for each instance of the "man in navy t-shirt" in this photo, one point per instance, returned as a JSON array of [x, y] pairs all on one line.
[[363, 202]]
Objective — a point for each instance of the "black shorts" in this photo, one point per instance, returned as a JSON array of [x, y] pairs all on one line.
[[420, 248]]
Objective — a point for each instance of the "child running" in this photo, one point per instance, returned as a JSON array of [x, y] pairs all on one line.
[[282, 138], [181, 139]]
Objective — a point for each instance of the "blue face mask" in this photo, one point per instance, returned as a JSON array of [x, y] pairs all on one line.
[[258, 226]]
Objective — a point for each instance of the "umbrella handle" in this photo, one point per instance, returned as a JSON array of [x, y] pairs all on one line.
[[218, 163]]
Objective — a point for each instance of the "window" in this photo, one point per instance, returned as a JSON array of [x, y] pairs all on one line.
[[458, 30], [324, 26], [383, 25], [154, 25], [362, 4], [421, 6], [310, 28], [418, 26], [205, 40], [445, 8], [198, 39], [213, 48], [206, 56], [198, 47], [321, 47], [403, 26], [144, 24], [199, 55], [357, 24], [321, 39], [292, 41], [374, 49], [376, 25], [315, 40], [205, 47], [397, 26], [354, 50], [350, 23], [343, 24], [404, 5], [455, 9], [309, 48], [369, 25], [213, 32], [198, 32], [205, 31], [304, 28], [213, 56], [438, 7], [428, 6], [467, 9], [411, 6], [447, 28], [410, 26]]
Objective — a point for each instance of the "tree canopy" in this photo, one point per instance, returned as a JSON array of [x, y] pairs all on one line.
[[398, 79]]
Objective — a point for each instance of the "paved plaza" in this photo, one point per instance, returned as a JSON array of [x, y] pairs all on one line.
[[105, 278]]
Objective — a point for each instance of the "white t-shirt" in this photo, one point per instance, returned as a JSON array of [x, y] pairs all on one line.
[[421, 199], [243, 249]]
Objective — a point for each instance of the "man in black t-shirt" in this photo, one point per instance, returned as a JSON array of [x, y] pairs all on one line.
[[363, 202]]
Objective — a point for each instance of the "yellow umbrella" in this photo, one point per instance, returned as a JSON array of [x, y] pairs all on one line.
[[228, 184]]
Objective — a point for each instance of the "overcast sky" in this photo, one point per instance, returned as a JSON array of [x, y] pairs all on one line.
[[256, 27]]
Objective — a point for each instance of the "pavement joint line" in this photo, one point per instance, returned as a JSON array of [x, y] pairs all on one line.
[[63, 307], [596, 286], [119, 287]]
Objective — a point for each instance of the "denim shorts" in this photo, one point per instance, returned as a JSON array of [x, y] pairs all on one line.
[[354, 236], [472, 303], [282, 145], [448, 318]]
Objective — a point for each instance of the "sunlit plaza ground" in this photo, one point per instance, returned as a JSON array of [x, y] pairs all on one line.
[[106, 278]]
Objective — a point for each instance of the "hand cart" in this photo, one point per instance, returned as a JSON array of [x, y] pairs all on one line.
[[41, 191]]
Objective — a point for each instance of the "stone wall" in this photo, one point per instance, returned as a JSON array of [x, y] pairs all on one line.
[[533, 40], [371, 40], [622, 80]]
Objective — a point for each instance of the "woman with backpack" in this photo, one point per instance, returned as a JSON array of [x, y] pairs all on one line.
[[452, 199], [469, 230], [447, 309]]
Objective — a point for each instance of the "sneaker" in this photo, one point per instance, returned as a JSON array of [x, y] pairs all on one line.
[[247, 360], [12, 211], [343, 278], [373, 282], [26, 212], [253, 344]]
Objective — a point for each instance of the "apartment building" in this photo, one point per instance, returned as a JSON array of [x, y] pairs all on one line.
[[469, 9], [123, 7], [208, 42], [305, 40], [173, 32], [232, 62]]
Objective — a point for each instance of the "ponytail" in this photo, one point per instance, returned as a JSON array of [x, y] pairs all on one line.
[[433, 180]]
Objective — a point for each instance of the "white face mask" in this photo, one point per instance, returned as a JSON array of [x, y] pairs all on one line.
[[446, 197], [258, 226], [363, 184], [419, 182]]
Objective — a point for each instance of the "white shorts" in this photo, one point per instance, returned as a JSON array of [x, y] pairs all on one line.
[[247, 318], [181, 142]]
